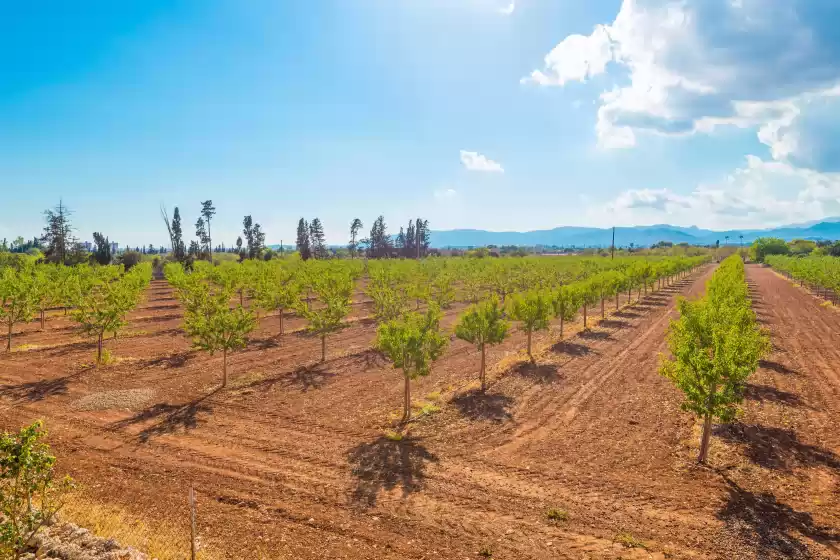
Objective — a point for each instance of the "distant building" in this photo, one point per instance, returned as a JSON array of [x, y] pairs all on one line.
[[87, 246], [114, 247]]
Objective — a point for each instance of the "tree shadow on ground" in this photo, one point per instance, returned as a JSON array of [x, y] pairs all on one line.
[[590, 334], [571, 348], [307, 377], [167, 418], [157, 318], [772, 529], [34, 391], [176, 360], [159, 307], [767, 393], [776, 448], [612, 324], [384, 464], [543, 373], [476, 405], [627, 314], [776, 367], [266, 343]]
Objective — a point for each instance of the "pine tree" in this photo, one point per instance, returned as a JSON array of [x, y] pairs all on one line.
[[201, 233], [410, 249], [355, 227], [303, 240], [57, 237], [254, 237], [400, 241], [208, 211], [380, 242], [316, 239]]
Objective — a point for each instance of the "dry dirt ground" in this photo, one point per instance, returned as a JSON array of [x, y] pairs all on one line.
[[292, 461]]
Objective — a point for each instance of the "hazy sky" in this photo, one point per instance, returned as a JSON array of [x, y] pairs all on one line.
[[471, 113]]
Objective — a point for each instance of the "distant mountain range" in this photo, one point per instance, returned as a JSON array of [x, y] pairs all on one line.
[[567, 236]]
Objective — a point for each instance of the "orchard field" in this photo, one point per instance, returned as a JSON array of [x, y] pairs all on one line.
[[297, 443]]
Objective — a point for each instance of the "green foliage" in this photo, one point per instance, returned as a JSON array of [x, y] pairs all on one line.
[[275, 288], [483, 324], [412, 343], [801, 247], [333, 291], [30, 495], [17, 301], [818, 271], [716, 345], [533, 309], [764, 246], [566, 302], [556, 514], [104, 297]]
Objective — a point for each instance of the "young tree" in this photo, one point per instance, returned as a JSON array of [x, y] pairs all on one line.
[[58, 234], [715, 345], [303, 240], [102, 307], [567, 301], [483, 324], [275, 289], [16, 298], [214, 326], [533, 309], [410, 249], [355, 227], [102, 253], [317, 241], [589, 292], [239, 247], [208, 211], [254, 237], [30, 494], [45, 291], [333, 290], [412, 343]]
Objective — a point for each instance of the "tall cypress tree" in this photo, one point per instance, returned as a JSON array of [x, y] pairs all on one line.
[[303, 240], [208, 211], [178, 247]]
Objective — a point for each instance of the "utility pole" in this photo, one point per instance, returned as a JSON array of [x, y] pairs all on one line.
[[612, 250]]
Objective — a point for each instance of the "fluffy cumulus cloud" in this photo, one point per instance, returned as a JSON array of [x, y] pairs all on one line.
[[683, 67], [759, 194], [474, 161], [692, 65]]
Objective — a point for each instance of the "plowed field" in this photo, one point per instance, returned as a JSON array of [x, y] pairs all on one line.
[[292, 461]]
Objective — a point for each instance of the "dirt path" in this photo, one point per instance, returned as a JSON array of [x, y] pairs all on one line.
[[291, 461]]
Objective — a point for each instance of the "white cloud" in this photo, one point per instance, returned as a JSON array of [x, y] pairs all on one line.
[[445, 194], [693, 65], [509, 9], [759, 194], [474, 161]]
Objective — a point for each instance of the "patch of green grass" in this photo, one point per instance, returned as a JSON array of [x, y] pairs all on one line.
[[556, 514], [627, 540], [393, 436], [486, 551], [429, 408], [433, 396]]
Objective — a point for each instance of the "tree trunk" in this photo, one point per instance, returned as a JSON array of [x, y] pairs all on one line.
[[629, 294], [323, 348], [584, 316], [99, 349], [281, 321], [561, 326], [529, 346], [704, 441], [9, 340], [482, 372], [224, 367], [43, 320], [616, 301], [603, 311], [407, 404], [241, 298]]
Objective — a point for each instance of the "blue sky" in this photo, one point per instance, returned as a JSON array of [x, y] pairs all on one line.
[[471, 113]]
